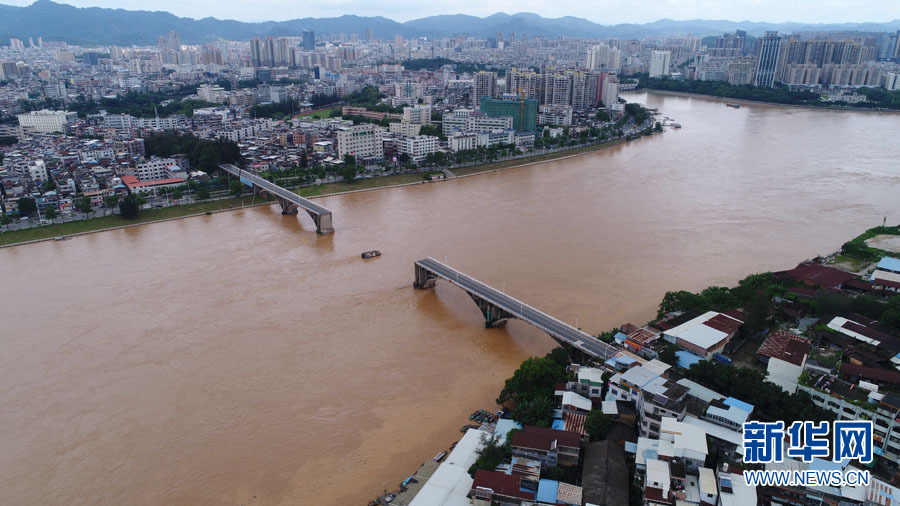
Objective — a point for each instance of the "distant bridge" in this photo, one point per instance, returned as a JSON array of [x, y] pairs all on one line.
[[497, 307], [290, 201]]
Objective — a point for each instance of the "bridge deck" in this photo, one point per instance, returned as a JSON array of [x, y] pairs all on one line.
[[560, 331], [276, 190]]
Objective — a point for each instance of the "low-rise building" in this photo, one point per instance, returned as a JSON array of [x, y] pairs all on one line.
[[550, 446]]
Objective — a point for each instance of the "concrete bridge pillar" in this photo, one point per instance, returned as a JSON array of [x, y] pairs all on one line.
[[493, 315], [424, 278]]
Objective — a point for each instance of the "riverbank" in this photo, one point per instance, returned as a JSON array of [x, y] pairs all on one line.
[[113, 222], [760, 102]]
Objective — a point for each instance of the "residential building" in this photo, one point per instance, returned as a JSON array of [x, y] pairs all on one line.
[[768, 51], [463, 141], [660, 61], [156, 168], [46, 121], [361, 141], [886, 275], [419, 115], [785, 357], [417, 147], [485, 86], [405, 128], [550, 446], [704, 335]]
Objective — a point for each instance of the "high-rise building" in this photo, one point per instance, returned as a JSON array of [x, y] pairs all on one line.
[[284, 53], [309, 40], [768, 50], [9, 69], [370, 35], [269, 52], [91, 58], [485, 85], [256, 52], [604, 57], [398, 40], [659, 63], [522, 110]]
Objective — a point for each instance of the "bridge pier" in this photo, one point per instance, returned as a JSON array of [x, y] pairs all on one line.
[[323, 223], [493, 315], [424, 278]]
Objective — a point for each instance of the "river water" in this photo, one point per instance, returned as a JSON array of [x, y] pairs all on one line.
[[239, 358]]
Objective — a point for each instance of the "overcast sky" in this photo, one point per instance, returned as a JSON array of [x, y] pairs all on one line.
[[600, 11]]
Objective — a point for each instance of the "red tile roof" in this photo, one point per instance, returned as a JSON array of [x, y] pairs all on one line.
[[870, 373], [538, 438], [785, 346], [812, 273], [723, 323], [501, 484]]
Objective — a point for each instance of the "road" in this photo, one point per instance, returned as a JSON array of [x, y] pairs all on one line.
[[560, 331]]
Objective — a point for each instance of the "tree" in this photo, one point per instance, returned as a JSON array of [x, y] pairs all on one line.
[[5, 220], [84, 205], [27, 206], [559, 355], [111, 200], [537, 411], [50, 213], [668, 355], [349, 160], [491, 454], [348, 172], [235, 187], [130, 205], [891, 314], [602, 115], [536, 377], [597, 425], [203, 193], [177, 194]]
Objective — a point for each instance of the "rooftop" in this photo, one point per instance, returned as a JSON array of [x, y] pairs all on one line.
[[785, 346]]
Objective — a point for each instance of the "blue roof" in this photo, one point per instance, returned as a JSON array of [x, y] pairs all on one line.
[[686, 359], [731, 401], [889, 264], [558, 424], [620, 336], [547, 491], [630, 447]]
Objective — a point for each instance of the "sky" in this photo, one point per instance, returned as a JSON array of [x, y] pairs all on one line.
[[599, 11]]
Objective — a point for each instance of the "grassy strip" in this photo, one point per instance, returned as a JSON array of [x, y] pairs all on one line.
[[464, 171], [359, 184], [858, 249], [105, 222]]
